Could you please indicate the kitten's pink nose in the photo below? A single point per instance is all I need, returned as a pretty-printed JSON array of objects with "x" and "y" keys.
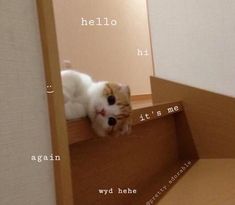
[{"x": 102, "y": 112}]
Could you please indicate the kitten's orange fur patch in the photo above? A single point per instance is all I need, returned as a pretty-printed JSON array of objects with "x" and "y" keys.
[{"x": 123, "y": 101}]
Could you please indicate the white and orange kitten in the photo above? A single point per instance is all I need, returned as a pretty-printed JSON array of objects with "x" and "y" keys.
[{"x": 106, "y": 104}]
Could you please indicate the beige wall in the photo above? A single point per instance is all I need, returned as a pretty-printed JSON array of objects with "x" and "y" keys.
[
  {"x": 194, "y": 42},
  {"x": 106, "y": 53},
  {"x": 24, "y": 124}
]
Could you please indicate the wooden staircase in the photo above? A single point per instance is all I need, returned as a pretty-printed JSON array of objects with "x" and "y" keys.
[{"x": 155, "y": 153}]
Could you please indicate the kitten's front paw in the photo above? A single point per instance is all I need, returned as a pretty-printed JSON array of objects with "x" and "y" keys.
[
  {"x": 74, "y": 111},
  {"x": 80, "y": 110}
]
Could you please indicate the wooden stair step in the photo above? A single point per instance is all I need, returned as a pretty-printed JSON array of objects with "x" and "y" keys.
[
  {"x": 209, "y": 181},
  {"x": 80, "y": 129},
  {"x": 149, "y": 153}
]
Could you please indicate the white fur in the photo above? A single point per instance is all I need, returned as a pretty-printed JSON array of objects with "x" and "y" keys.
[{"x": 75, "y": 86}]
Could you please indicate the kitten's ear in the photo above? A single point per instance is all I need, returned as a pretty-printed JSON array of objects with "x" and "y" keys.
[{"x": 125, "y": 88}]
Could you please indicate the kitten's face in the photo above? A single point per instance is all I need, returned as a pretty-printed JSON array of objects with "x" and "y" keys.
[{"x": 109, "y": 109}]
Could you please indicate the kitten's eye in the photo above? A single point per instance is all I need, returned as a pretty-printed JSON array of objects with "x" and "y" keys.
[
  {"x": 111, "y": 100},
  {"x": 112, "y": 121}
]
